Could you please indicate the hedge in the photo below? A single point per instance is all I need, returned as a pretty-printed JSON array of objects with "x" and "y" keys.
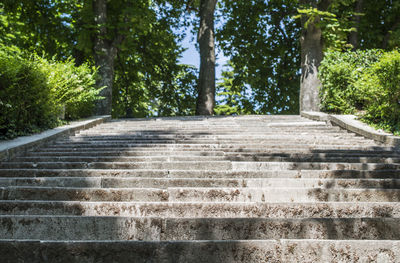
[
  {"x": 34, "y": 92},
  {"x": 366, "y": 83}
]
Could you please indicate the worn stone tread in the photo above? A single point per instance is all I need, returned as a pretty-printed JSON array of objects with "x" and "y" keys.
[
  {"x": 200, "y": 194},
  {"x": 154, "y": 182},
  {"x": 204, "y": 209},
  {"x": 163, "y": 173},
  {"x": 233, "y": 251},
  {"x": 149, "y": 228}
]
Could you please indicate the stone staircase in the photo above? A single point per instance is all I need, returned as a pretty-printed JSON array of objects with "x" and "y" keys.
[{"x": 196, "y": 189}]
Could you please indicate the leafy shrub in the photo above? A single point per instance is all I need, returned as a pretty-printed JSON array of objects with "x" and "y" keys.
[
  {"x": 26, "y": 102},
  {"x": 380, "y": 85},
  {"x": 34, "y": 91},
  {"x": 363, "y": 82},
  {"x": 73, "y": 87},
  {"x": 339, "y": 71}
]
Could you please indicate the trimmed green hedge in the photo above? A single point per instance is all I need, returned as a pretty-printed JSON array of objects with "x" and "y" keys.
[
  {"x": 366, "y": 83},
  {"x": 34, "y": 92}
]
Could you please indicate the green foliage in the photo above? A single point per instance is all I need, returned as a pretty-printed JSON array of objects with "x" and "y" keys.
[
  {"x": 380, "y": 85},
  {"x": 176, "y": 97},
  {"x": 261, "y": 39},
  {"x": 34, "y": 90},
  {"x": 26, "y": 102},
  {"x": 40, "y": 26},
  {"x": 338, "y": 73},
  {"x": 363, "y": 82},
  {"x": 335, "y": 22},
  {"x": 380, "y": 26},
  {"x": 148, "y": 78},
  {"x": 232, "y": 97},
  {"x": 73, "y": 87}
]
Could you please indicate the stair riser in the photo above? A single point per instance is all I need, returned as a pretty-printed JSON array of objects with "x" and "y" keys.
[
  {"x": 246, "y": 154},
  {"x": 232, "y": 149},
  {"x": 210, "y": 165},
  {"x": 178, "y": 138},
  {"x": 230, "y": 157},
  {"x": 216, "y": 145},
  {"x": 98, "y": 182},
  {"x": 202, "y": 210},
  {"x": 223, "y": 165},
  {"x": 320, "y": 251},
  {"x": 152, "y": 229},
  {"x": 320, "y": 174},
  {"x": 293, "y": 141},
  {"x": 215, "y": 135},
  {"x": 195, "y": 128},
  {"x": 201, "y": 194}
]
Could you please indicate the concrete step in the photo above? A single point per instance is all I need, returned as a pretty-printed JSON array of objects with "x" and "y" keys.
[
  {"x": 190, "y": 165},
  {"x": 231, "y": 157},
  {"x": 117, "y": 152},
  {"x": 160, "y": 173},
  {"x": 106, "y": 182},
  {"x": 202, "y": 194},
  {"x": 202, "y": 165},
  {"x": 210, "y": 131},
  {"x": 242, "y": 149},
  {"x": 233, "y": 137},
  {"x": 209, "y": 125},
  {"x": 232, "y": 251},
  {"x": 156, "y": 158},
  {"x": 295, "y": 155},
  {"x": 154, "y": 229},
  {"x": 204, "y": 209},
  {"x": 200, "y": 147},
  {"x": 168, "y": 183},
  {"x": 293, "y": 140},
  {"x": 216, "y": 134},
  {"x": 242, "y": 166}
]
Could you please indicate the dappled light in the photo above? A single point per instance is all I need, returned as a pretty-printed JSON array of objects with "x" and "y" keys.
[{"x": 211, "y": 183}]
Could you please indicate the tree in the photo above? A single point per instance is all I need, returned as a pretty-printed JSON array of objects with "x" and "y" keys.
[
  {"x": 353, "y": 37},
  {"x": 311, "y": 56},
  {"x": 261, "y": 39},
  {"x": 206, "y": 98},
  {"x": 43, "y": 26},
  {"x": 105, "y": 52},
  {"x": 379, "y": 26},
  {"x": 203, "y": 24}
]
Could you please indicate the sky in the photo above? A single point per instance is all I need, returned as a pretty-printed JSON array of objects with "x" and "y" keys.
[{"x": 192, "y": 57}]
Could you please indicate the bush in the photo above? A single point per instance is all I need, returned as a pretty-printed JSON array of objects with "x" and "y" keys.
[
  {"x": 73, "y": 87},
  {"x": 338, "y": 73},
  {"x": 364, "y": 82},
  {"x": 34, "y": 91},
  {"x": 26, "y": 102},
  {"x": 380, "y": 84}
]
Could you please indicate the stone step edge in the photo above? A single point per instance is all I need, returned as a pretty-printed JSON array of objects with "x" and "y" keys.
[
  {"x": 278, "y": 250},
  {"x": 21, "y": 145},
  {"x": 350, "y": 123},
  {"x": 179, "y": 188},
  {"x": 205, "y": 203}
]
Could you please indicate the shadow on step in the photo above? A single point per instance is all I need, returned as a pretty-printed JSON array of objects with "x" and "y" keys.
[
  {"x": 375, "y": 179},
  {"x": 204, "y": 229}
]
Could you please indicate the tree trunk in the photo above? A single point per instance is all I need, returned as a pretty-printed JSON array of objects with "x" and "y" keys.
[
  {"x": 353, "y": 38},
  {"x": 206, "y": 97},
  {"x": 104, "y": 54},
  {"x": 311, "y": 57}
]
